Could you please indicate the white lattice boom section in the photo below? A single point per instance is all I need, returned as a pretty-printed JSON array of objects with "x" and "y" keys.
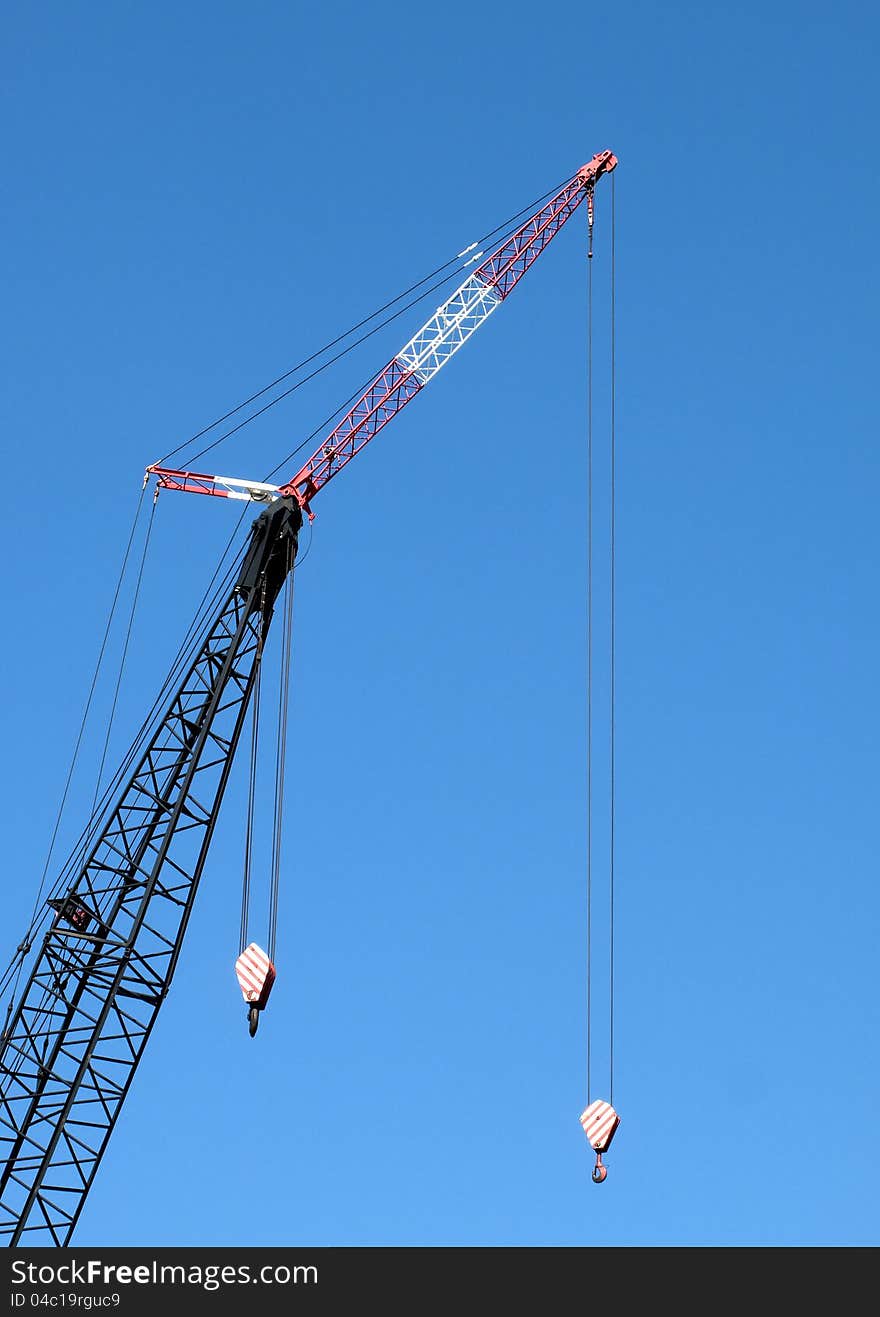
[{"x": 449, "y": 328}]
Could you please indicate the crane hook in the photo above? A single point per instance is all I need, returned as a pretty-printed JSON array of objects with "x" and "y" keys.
[
  {"x": 600, "y": 1122},
  {"x": 253, "y": 1020},
  {"x": 599, "y": 1171}
]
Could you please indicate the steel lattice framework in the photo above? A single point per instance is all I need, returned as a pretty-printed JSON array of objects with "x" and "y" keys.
[
  {"x": 75, "y": 1035},
  {"x": 107, "y": 960}
]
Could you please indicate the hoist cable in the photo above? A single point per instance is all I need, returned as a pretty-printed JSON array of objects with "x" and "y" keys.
[
  {"x": 280, "y": 759},
  {"x": 252, "y": 792},
  {"x": 612, "y": 676},
  {"x": 124, "y": 656},
  {"x": 88, "y": 704},
  {"x": 314, "y": 356},
  {"x": 589, "y": 669}
]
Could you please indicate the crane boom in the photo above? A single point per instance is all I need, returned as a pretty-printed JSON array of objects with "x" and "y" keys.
[{"x": 419, "y": 360}]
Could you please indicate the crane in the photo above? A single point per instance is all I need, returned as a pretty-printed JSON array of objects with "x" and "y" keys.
[{"x": 78, "y": 1028}]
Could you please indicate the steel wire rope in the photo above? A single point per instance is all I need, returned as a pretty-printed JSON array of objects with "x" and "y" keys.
[
  {"x": 119, "y": 676},
  {"x": 281, "y": 759},
  {"x": 613, "y": 605},
  {"x": 383, "y": 324},
  {"x": 252, "y": 792},
  {"x": 24, "y": 946},
  {"x": 273, "y": 402},
  {"x": 185, "y": 654},
  {"x": 353, "y": 397},
  {"x": 340, "y": 338},
  {"x": 124, "y": 656},
  {"x": 589, "y": 665},
  {"x": 339, "y": 409}
]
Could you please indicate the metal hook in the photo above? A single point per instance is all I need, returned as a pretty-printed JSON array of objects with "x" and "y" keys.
[{"x": 599, "y": 1171}]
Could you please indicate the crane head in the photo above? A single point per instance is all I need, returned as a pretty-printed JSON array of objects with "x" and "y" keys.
[{"x": 603, "y": 163}]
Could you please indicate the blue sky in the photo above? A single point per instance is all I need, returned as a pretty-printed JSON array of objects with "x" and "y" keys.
[{"x": 197, "y": 197}]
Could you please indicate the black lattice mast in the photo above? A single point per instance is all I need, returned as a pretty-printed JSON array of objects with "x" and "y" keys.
[{"x": 81, "y": 1024}]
